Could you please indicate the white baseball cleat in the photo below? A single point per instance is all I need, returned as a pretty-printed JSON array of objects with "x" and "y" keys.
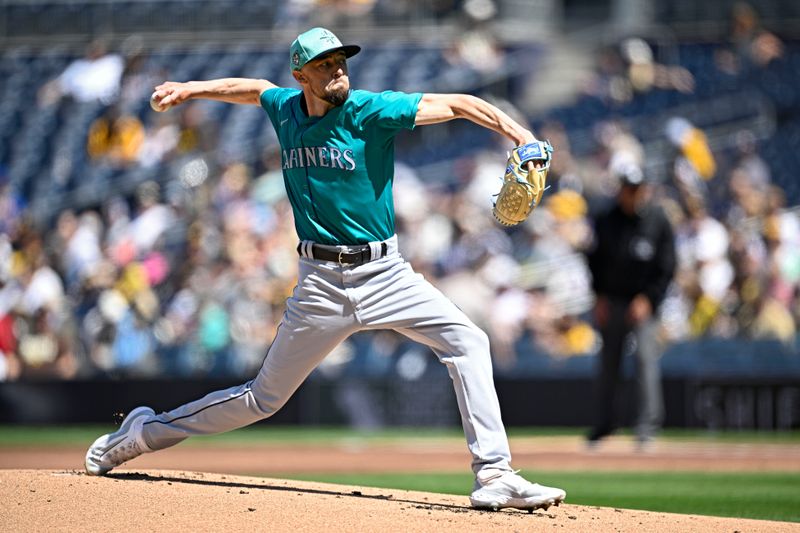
[
  {"x": 498, "y": 489},
  {"x": 113, "y": 449}
]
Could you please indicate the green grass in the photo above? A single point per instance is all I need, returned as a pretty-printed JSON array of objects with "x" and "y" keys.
[
  {"x": 768, "y": 496},
  {"x": 15, "y": 435}
]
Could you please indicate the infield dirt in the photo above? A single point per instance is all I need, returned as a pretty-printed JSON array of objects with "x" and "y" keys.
[
  {"x": 161, "y": 491},
  {"x": 164, "y": 500}
]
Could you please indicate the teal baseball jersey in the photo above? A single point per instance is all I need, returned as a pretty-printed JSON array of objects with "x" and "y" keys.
[{"x": 339, "y": 168}]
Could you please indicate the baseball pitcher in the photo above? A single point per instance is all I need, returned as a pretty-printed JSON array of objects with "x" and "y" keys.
[{"x": 338, "y": 161}]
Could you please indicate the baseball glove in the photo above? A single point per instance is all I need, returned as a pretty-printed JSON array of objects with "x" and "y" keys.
[{"x": 522, "y": 188}]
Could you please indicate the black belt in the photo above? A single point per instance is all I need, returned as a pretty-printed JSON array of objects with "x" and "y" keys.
[{"x": 361, "y": 254}]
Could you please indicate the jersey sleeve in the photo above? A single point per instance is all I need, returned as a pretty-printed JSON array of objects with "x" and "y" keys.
[
  {"x": 390, "y": 111},
  {"x": 274, "y": 100}
]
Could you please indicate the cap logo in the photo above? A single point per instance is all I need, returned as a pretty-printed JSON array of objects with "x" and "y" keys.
[
  {"x": 296, "y": 59},
  {"x": 328, "y": 36}
]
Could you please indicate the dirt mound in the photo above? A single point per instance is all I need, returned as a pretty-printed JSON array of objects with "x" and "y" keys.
[{"x": 128, "y": 500}]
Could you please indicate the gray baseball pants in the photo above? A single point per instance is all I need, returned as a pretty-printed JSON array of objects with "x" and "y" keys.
[{"x": 330, "y": 303}]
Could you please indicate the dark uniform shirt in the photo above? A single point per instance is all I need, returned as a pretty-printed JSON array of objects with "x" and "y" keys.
[{"x": 632, "y": 255}]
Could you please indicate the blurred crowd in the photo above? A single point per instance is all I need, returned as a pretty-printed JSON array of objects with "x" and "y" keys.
[{"x": 188, "y": 276}]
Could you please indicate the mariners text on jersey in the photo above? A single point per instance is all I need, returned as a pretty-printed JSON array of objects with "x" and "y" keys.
[
  {"x": 319, "y": 156},
  {"x": 338, "y": 168}
]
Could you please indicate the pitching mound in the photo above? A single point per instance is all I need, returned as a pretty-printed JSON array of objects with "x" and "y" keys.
[{"x": 68, "y": 500}]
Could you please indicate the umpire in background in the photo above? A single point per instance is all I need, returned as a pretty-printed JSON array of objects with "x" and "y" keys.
[{"x": 632, "y": 264}]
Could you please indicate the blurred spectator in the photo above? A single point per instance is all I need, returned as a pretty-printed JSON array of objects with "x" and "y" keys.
[
  {"x": 174, "y": 330},
  {"x": 46, "y": 346},
  {"x": 115, "y": 138},
  {"x": 693, "y": 164},
  {"x": 764, "y": 317},
  {"x": 476, "y": 52},
  {"x": 94, "y": 77},
  {"x": 773, "y": 321},
  {"x": 151, "y": 221},
  {"x": 45, "y": 340},
  {"x": 10, "y": 296},
  {"x": 696, "y": 160},
  {"x": 132, "y": 350},
  {"x": 569, "y": 211},
  {"x": 161, "y": 139},
  {"x": 750, "y": 162},
  {"x": 476, "y": 45},
  {"x": 704, "y": 262},
  {"x": 138, "y": 78},
  {"x": 608, "y": 82},
  {"x": 632, "y": 265},
  {"x": 117, "y": 220},
  {"x": 79, "y": 246},
  {"x": 615, "y": 149},
  {"x": 11, "y": 206},
  {"x": 628, "y": 68},
  {"x": 429, "y": 232},
  {"x": 645, "y": 74},
  {"x": 214, "y": 338},
  {"x": 101, "y": 308},
  {"x": 176, "y": 136},
  {"x": 619, "y": 148},
  {"x": 233, "y": 192},
  {"x": 506, "y": 319},
  {"x": 751, "y": 46},
  {"x": 10, "y": 367},
  {"x": 748, "y": 199},
  {"x": 467, "y": 274},
  {"x": 29, "y": 269},
  {"x": 781, "y": 230}
]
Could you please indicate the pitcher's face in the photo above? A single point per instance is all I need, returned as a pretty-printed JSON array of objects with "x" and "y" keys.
[{"x": 326, "y": 77}]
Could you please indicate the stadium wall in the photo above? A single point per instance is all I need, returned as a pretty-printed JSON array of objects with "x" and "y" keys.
[{"x": 771, "y": 404}]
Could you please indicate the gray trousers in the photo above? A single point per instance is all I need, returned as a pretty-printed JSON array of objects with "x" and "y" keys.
[
  {"x": 330, "y": 303},
  {"x": 649, "y": 396}
]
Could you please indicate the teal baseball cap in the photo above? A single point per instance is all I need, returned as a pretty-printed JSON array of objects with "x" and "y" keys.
[{"x": 314, "y": 43}]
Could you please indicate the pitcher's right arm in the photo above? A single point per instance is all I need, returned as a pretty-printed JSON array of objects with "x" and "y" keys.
[{"x": 230, "y": 90}]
